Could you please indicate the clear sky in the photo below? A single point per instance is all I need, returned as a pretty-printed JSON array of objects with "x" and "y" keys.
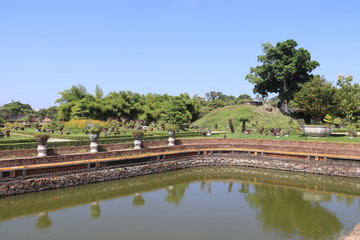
[{"x": 163, "y": 46}]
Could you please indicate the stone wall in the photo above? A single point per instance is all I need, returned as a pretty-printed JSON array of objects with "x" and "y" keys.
[{"x": 52, "y": 182}]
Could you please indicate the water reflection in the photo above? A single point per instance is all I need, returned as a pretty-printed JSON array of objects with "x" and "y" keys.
[
  {"x": 95, "y": 210},
  {"x": 138, "y": 200},
  {"x": 176, "y": 193},
  {"x": 289, "y": 203},
  {"x": 287, "y": 210},
  {"x": 44, "y": 221}
]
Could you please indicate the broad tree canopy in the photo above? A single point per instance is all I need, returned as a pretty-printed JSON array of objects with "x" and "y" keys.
[
  {"x": 284, "y": 68},
  {"x": 318, "y": 98}
]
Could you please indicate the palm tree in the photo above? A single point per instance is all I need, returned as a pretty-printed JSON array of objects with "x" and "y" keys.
[{"x": 74, "y": 93}]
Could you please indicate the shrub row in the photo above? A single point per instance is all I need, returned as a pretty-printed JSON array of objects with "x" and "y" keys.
[{"x": 8, "y": 141}]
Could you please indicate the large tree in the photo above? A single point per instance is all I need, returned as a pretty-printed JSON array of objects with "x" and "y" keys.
[
  {"x": 318, "y": 98},
  {"x": 73, "y": 94},
  {"x": 284, "y": 68}
]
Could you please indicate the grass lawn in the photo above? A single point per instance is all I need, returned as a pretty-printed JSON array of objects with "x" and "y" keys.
[
  {"x": 298, "y": 136},
  {"x": 14, "y": 136}
]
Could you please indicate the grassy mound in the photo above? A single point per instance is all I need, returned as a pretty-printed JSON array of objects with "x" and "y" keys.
[{"x": 258, "y": 116}]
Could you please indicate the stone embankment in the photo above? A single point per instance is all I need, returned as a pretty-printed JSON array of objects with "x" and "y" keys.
[
  {"x": 343, "y": 169},
  {"x": 354, "y": 234}
]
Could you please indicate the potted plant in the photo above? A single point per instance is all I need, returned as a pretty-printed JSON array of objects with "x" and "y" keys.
[
  {"x": 7, "y": 132},
  {"x": 8, "y": 127},
  {"x": 247, "y": 132},
  {"x": 42, "y": 139},
  {"x": 138, "y": 136},
  {"x": 94, "y": 133},
  {"x": 351, "y": 130},
  {"x": 171, "y": 133}
]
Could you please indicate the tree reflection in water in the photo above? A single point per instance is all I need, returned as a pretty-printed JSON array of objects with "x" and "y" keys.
[
  {"x": 95, "y": 210},
  {"x": 287, "y": 211},
  {"x": 176, "y": 193},
  {"x": 44, "y": 221},
  {"x": 138, "y": 200}
]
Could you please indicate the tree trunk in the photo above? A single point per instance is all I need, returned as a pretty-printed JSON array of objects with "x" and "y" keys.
[
  {"x": 243, "y": 127},
  {"x": 231, "y": 126},
  {"x": 284, "y": 107}
]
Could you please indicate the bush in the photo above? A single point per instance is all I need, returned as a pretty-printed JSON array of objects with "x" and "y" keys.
[
  {"x": 42, "y": 138},
  {"x": 137, "y": 134}
]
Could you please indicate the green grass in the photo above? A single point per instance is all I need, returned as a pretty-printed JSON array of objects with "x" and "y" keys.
[
  {"x": 15, "y": 137},
  {"x": 259, "y": 116},
  {"x": 294, "y": 136}
]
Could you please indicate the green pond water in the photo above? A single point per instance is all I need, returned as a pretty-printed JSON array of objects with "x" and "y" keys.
[{"x": 219, "y": 203}]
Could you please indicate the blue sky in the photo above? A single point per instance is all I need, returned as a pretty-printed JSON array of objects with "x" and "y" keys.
[{"x": 163, "y": 46}]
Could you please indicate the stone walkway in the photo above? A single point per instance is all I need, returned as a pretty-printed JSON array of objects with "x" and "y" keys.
[{"x": 354, "y": 234}]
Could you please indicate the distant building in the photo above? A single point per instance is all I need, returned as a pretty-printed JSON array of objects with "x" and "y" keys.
[{"x": 46, "y": 120}]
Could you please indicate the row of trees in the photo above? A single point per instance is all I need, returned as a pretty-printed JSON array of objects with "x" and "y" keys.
[
  {"x": 78, "y": 103},
  {"x": 286, "y": 70}
]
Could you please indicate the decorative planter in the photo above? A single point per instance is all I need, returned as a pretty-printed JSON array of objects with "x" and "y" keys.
[
  {"x": 94, "y": 138},
  {"x": 317, "y": 130},
  {"x": 208, "y": 133},
  {"x": 42, "y": 150},
  {"x": 94, "y": 147},
  {"x": 171, "y": 141},
  {"x": 171, "y": 133},
  {"x": 247, "y": 132},
  {"x": 352, "y": 134},
  {"x": 137, "y": 144}
]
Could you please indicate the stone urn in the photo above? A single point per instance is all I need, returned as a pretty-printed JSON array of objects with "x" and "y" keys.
[
  {"x": 171, "y": 139},
  {"x": 317, "y": 130},
  {"x": 42, "y": 150},
  {"x": 42, "y": 139},
  {"x": 94, "y": 142},
  {"x": 137, "y": 144},
  {"x": 138, "y": 136}
]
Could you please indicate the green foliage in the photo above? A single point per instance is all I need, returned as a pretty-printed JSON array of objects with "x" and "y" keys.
[
  {"x": 350, "y": 128},
  {"x": 284, "y": 68},
  {"x": 138, "y": 134},
  {"x": 15, "y": 108},
  {"x": 50, "y": 112},
  {"x": 73, "y": 94},
  {"x": 171, "y": 127},
  {"x": 42, "y": 138},
  {"x": 349, "y": 99},
  {"x": 318, "y": 97},
  {"x": 176, "y": 113}
]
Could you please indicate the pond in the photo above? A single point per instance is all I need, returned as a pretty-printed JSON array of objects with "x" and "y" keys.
[{"x": 199, "y": 203}]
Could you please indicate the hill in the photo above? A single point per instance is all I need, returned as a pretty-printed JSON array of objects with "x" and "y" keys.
[{"x": 259, "y": 116}]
